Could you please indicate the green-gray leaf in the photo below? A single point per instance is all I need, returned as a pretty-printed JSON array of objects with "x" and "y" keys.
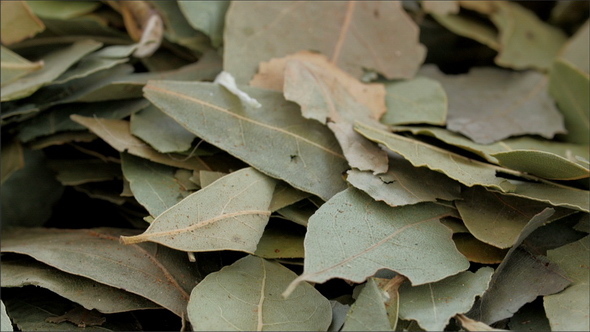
[
  {"x": 55, "y": 64},
  {"x": 152, "y": 184},
  {"x": 520, "y": 278},
  {"x": 569, "y": 86},
  {"x": 86, "y": 292},
  {"x": 97, "y": 254},
  {"x": 62, "y": 10},
  {"x": 352, "y": 236},
  {"x": 5, "y": 324},
  {"x": 274, "y": 139},
  {"x": 246, "y": 296},
  {"x": 476, "y": 111},
  {"x": 420, "y": 100},
  {"x": 568, "y": 310},
  {"x": 368, "y": 313},
  {"x": 563, "y": 149},
  {"x": 160, "y": 131},
  {"x": 543, "y": 164},
  {"x": 57, "y": 119},
  {"x": 399, "y": 186},
  {"x": 526, "y": 41},
  {"x": 555, "y": 195},
  {"x": 207, "y": 17},
  {"x": 467, "y": 171},
  {"x": 229, "y": 214},
  {"x": 14, "y": 66},
  {"x": 432, "y": 305},
  {"x": 340, "y": 30},
  {"x": 498, "y": 219}
]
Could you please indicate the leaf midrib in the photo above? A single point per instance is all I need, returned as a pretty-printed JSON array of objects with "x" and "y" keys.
[{"x": 242, "y": 118}]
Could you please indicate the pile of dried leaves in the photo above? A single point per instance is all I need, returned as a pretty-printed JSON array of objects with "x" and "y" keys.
[{"x": 374, "y": 165}]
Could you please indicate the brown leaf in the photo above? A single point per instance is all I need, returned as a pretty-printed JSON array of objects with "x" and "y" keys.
[
  {"x": 271, "y": 75},
  {"x": 329, "y": 95}
]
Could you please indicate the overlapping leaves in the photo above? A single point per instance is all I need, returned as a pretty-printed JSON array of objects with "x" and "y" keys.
[{"x": 329, "y": 157}]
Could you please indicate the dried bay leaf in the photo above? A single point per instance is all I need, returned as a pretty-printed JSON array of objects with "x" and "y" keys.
[
  {"x": 63, "y": 10},
  {"x": 325, "y": 93},
  {"x": 30, "y": 309},
  {"x": 119, "y": 82},
  {"x": 207, "y": 17},
  {"x": 419, "y": 100},
  {"x": 568, "y": 310},
  {"x": 339, "y": 312},
  {"x": 13, "y": 66},
  {"x": 432, "y": 305},
  {"x": 153, "y": 185},
  {"x": 285, "y": 195},
  {"x": 576, "y": 50},
  {"x": 97, "y": 254},
  {"x": 105, "y": 58},
  {"x": 55, "y": 64},
  {"x": 160, "y": 131},
  {"x": 553, "y": 194},
  {"x": 12, "y": 158},
  {"x": 271, "y": 75},
  {"x": 178, "y": 29},
  {"x": 352, "y": 236},
  {"x": 526, "y": 41},
  {"x": 57, "y": 119},
  {"x": 368, "y": 312},
  {"x": 18, "y": 22},
  {"x": 543, "y": 164},
  {"x": 523, "y": 41},
  {"x": 470, "y": 28},
  {"x": 118, "y": 135},
  {"x": 342, "y": 31},
  {"x": 467, "y": 171},
  {"x": 569, "y": 86},
  {"x": 86, "y": 292},
  {"x": 229, "y": 214},
  {"x": 477, "y": 111},
  {"x": 5, "y": 324},
  {"x": 131, "y": 86},
  {"x": 280, "y": 144},
  {"x": 359, "y": 151},
  {"x": 477, "y": 251},
  {"x": 486, "y": 151},
  {"x": 250, "y": 289},
  {"x": 520, "y": 278},
  {"x": 498, "y": 219},
  {"x": 399, "y": 186}
]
